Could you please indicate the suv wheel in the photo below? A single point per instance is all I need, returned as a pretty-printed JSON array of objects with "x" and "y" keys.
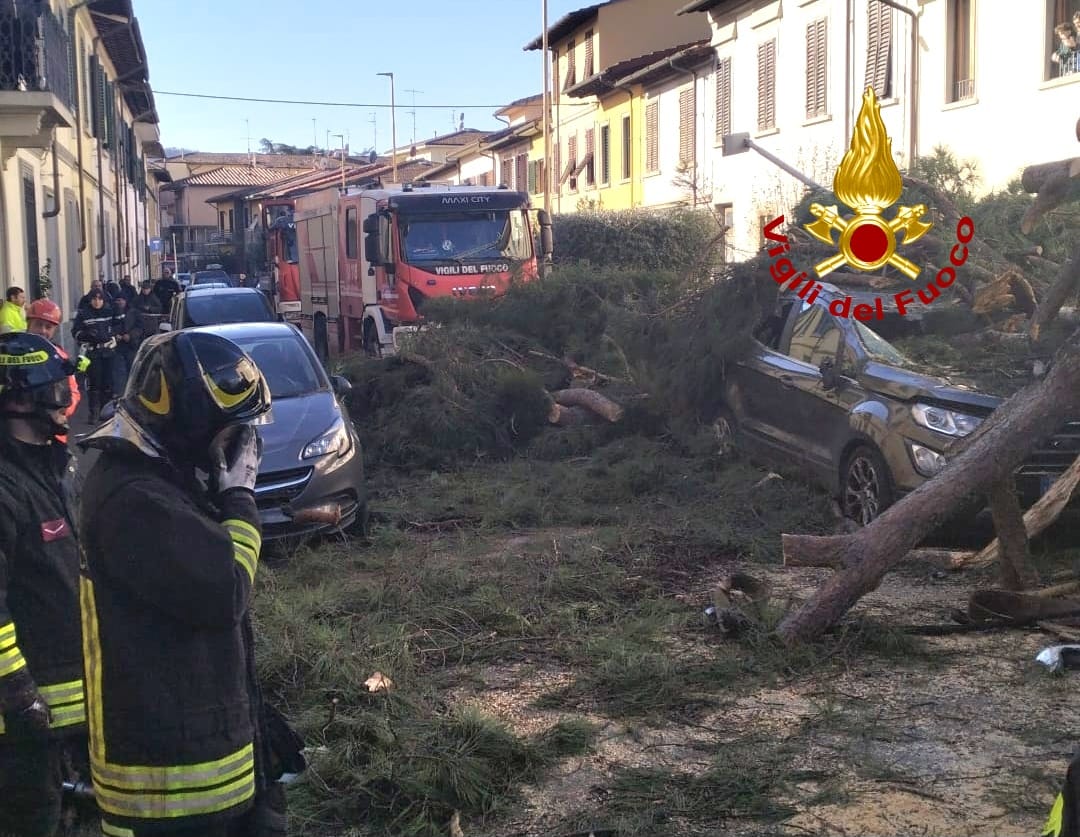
[{"x": 866, "y": 489}]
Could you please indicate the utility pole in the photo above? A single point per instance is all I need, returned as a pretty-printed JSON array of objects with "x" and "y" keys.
[
  {"x": 314, "y": 134},
  {"x": 413, "y": 112},
  {"x": 342, "y": 137},
  {"x": 393, "y": 125},
  {"x": 374, "y": 131},
  {"x": 547, "y": 111}
]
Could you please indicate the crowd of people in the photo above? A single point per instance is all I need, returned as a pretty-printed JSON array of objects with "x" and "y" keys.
[
  {"x": 127, "y": 651},
  {"x": 1066, "y": 54}
]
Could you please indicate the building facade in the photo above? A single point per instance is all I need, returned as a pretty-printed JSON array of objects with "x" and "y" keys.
[{"x": 77, "y": 128}]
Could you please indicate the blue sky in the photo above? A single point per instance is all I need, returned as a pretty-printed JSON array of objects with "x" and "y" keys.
[{"x": 463, "y": 52}]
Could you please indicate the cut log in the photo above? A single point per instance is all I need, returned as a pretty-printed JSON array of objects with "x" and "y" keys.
[
  {"x": 1052, "y": 195},
  {"x": 1032, "y": 414},
  {"x": 574, "y": 416},
  {"x": 1064, "y": 287},
  {"x": 1034, "y": 178},
  {"x": 590, "y": 400},
  {"x": 1016, "y": 570}
]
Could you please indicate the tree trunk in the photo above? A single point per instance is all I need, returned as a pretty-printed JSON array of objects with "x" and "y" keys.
[
  {"x": 1061, "y": 290},
  {"x": 1034, "y": 178},
  {"x": 1016, "y": 570},
  {"x": 1032, "y": 414},
  {"x": 590, "y": 400}
]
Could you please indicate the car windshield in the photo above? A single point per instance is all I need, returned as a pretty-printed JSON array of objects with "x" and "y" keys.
[
  {"x": 210, "y": 308},
  {"x": 466, "y": 235},
  {"x": 211, "y": 276},
  {"x": 288, "y": 368},
  {"x": 878, "y": 347}
]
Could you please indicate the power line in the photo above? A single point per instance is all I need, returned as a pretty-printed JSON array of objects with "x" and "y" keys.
[{"x": 336, "y": 104}]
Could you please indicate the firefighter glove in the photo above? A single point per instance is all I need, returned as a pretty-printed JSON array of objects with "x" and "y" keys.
[
  {"x": 82, "y": 364},
  {"x": 235, "y": 454},
  {"x": 32, "y": 721}
]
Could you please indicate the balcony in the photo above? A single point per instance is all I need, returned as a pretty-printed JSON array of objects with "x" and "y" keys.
[{"x": 36, "y": 91}]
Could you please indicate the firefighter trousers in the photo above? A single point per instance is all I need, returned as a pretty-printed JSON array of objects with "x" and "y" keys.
[
  {"x": 266, "y": 819},
  {"x": 32, "y": 773}
]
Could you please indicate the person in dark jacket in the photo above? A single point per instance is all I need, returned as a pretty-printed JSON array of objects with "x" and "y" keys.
[
  {"x": 41, "y": 675},
  {"x": 126, "y": 330},
  {"x": 94, "y": 329},
  {"x": 166, "y": 288},
  {"x": 174, "y": 705}
]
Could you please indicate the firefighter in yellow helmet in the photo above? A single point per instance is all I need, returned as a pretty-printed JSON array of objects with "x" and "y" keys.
[{"x": 177, "y": 742}]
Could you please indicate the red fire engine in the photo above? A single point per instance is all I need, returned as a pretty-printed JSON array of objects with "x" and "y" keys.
[{"x": 369, "y": 257}]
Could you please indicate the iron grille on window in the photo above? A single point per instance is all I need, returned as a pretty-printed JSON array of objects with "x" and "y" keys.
[{"x": 35, "y": 52}]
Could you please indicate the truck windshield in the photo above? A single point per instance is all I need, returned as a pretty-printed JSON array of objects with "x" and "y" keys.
[{"x": 466, "y": 235}]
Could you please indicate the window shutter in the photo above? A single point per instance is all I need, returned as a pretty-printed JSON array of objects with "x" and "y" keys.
[
  {"x": 590, "y": 156},
  {"x": 555, "y": 73},
  {"x": 571, "y": 72},
  {"x": 522, "y": 173},
  {"x": 879, "y": 33},
  {"x": 687, "y": 125},
  {"x": 532, "y": 177},
  {"x": 816, "y": 69},
  {"x": 652, "y": 139},
  {"x": 571, "y": 155},
  {"x": 605, "y": 154},
  {"x": 766, "y": 55},
  {"x": 723, "y": 98},
  {"x": 506, "y": 175},
  {"x": 590, "y": 66}
]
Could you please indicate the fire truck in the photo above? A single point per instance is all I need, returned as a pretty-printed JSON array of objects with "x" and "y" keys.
[
  {"x": 282, "y": 255},
  {"x": 370, "y": 257}
]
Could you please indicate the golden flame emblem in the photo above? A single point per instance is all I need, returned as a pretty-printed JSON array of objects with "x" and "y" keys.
[{"x": 868, "y": 182}]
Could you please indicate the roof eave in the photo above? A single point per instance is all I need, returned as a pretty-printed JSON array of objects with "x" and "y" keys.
[
  {"x": 564, "y": 26},
  {"x": 661, "y": 69},
  {"x": 698, "y": 6}
]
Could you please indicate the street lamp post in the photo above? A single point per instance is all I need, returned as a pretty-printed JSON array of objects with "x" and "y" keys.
[
  {"x": 547, "y": 111},
  {"x": 393, "y": 126},
  {"x": 342, "y": 138}
]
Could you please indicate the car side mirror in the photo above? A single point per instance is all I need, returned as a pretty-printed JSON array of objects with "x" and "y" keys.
[
  {"x": 165, "y": 327},
  {"x": 341, "y": 385},
  {"x": 829, "y": 377},
  {"x": 108, "y": 410}
]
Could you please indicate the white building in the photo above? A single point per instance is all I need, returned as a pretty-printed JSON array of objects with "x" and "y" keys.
[{"x": 792, "y": 75}]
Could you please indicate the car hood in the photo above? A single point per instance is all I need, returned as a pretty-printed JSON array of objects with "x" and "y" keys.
[
  {"x": 906, "y": 385},
  {"x": 296, "y": 423}
]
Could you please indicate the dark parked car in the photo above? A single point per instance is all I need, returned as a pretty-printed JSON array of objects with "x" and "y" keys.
[
  {"x": 312, "y": 474},
  {"x": 830, "y": 395},
  {"x": 206, "y": 305}
]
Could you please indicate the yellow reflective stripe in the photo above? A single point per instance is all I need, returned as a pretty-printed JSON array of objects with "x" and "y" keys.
[
  {"x": 246, "y": 560},
  {"x": 92, "y": 667},
  {"x": 179, "y": 776},
  {"x": 66, "y": 716},
  {"x": 160, "y": 806},
  {"x": 60, "y": 693},
  {"x": 11, "y": 661},
  {"x": 1054, "y": 821},
  {"x": 243, "y": 528},
  {"x": 115, "y": 831},
  {"x": 7, "y": 632}
]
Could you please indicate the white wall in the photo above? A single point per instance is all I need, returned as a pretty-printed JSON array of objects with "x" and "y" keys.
[{"x": 670, "y": 185}]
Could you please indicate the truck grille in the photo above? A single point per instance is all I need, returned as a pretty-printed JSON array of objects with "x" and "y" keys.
[
  {"x": 281, "y": 486},
  {"x": 1054, "y": 455}
]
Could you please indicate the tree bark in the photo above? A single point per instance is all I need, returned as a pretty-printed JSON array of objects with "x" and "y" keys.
[
  {"x": 1034, "y": 413},
  {"x": 590, "y": 400},
  {"x": 1034, "y": 178},
  {"x": 1061, "y": 290},
  {"x": 1016, "y": 570}
]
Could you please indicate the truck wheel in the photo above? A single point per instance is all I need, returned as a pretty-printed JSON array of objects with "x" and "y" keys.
[
  {"x": 372, "y": 346},
  {"x": 321, "y": 338},
  {"x": 866, "y": 489}
]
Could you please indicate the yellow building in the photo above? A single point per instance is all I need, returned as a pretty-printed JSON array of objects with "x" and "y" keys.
[
  {"x": 77, "y": 124},
  {"x": 597, "y": 133}
]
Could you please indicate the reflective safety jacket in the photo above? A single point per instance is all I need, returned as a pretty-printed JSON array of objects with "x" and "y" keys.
[
  {"x": 168, "y": 649},
  {"x": 12, "y": 317},
  {"x": 40, "y": 641}
]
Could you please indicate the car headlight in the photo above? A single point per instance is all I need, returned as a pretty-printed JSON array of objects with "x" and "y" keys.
[
  {"x": 335, "y": 440},
  {"x": 949, "y": 422},
  {"x": 928, "y": 462}
]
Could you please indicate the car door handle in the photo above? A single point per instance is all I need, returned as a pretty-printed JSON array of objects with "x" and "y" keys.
[{"x": 787, "y": 381}]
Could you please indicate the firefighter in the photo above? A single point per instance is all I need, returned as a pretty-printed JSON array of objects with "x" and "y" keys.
[
  {"x": 12, "y": 315},
  {"x": 41, "y": 686},
  {"x": 94, "y": 329},
  {"x": 43, "y": 317},
  {"x": 176, "y": 715}
]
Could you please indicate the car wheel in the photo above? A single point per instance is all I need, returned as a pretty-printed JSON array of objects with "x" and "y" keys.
[
  {"x": 866, "y": 489},
  {"x": 725, "y": 432},
  {"x": 361, "y": 526}
]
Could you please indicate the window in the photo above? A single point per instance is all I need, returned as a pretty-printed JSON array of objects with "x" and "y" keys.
[
  {"x": 605, "y": 154},
  {"x": 961, "y": 41},
  {"x": 590, "y": 61},
  {"x": 766, "y": 85},
  {"x": 763, "y": 222},
  {"x": 627, "y": 149},
  {"x": 571, "y": 71},
  {"x": 723, "y": 99},
  {"x": 879, "y": 50},
  {"x": 555, "y": 72},
  {"x": 687, "y": 126},
  {"x": 221, "y": 221},
  {"x": 521, "y": 171},
  {"x": 506, "y": 172},
  {"x": 1057, "y": 12},
  {"x": 232, "y": 220},
  {"x": 652, "y": 137},
  {"x": 816, "y": 69},
  {"x": 350, "y": 233},
  {"x": 571, "y": 161},
  {"x": 815, "y": 336},
  {"x": 771, "y": 329},
  {"x": 287, "y": 365},
  {"x": 536, "y": 177},
  {"x": 590, "y": 157},
  {"x": 725, "y": 214}
]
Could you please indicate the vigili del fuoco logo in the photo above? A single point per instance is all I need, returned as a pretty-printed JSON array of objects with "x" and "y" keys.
[{"x": 869, "y": 183}]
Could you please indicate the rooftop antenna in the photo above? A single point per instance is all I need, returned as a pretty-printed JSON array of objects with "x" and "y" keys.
[
  {"x": 374, "y": 131},
  {"x": 247, "y": 131},
  {"x": 314, "y": 135},
  {"x": 413, "y": 111}
]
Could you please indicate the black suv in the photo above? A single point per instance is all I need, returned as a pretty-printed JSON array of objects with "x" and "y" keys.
[
  {"x": 203, "y": 305},
  {"x": 830, "y": 395}
]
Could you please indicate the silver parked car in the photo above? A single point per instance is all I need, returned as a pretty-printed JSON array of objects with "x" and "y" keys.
[{"x": 312, "y": 475}]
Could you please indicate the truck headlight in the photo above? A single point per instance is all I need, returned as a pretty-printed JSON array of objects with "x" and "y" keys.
[
  {"x": 335, "y": 440},
  {"x": 942, "y": 420},
  {"x": 928, "y": 462}
]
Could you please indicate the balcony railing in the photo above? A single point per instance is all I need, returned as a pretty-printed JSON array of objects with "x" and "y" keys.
[
  {"x": 963, "y": 89},
  {"x": 35, "y": 53}
]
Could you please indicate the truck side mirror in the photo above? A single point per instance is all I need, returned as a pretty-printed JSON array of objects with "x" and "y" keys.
[
  {"x": 385, "y": 248},
  {"x": 547, "y": 245}
]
